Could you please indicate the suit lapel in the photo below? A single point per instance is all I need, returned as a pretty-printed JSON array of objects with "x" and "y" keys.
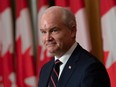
[{"x": 69, "y": 67}]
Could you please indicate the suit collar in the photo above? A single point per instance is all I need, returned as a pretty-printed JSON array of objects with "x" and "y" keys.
[
  {"x": 67, "y": 55},
  {"x": 69, "y": 67}
]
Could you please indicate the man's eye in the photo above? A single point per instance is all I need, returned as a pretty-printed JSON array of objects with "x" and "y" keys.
[
  {"x": 43, "y": 32},
  {"x": 54, "y": 30}
]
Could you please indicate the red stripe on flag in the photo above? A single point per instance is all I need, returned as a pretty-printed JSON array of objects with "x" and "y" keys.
[
  {"x": 20, "y": 4},
  {"x": 29, "y": 66},
  {"x": 106, "y": 53},
  {"x": 4, "y": 4},
  {"x": 76, "y": 5},
  {"x": 6, "y": 45},
  {"x": 107, "y": 13},
  {"x": 42, "y": 3},
  {"x": 1, "y": 71},
  {"x": 24, "y": 46},
  {"x": 19, "y": 66},
  {"x": 112, "y": 74},
  {"x": 7, "y": 68},
  {"x": 63, "y": 3},
  {"x": 106, "y": 5}
]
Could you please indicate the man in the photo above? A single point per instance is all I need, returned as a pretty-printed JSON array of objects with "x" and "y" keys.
[{"x": 79, "y": 68}]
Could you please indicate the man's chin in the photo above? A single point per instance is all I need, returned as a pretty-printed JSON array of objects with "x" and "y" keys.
[{"x": 52, "y": 52}]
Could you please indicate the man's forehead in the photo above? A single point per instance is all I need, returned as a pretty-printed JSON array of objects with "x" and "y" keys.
[
  {"x": 47, "y": 24},
  {"x": 50, "y": 22},
  {"x": 54, "y": 10},
  {"x": 52, "y": 14}
]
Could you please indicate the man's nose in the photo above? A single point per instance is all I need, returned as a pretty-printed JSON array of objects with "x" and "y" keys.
[{"x": 48, "y": 37}]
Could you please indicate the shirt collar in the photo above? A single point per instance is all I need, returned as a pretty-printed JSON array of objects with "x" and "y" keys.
[{"x": 67, "y": 55}]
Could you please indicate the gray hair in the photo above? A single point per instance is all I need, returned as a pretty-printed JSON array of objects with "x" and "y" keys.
[{"x": 69, "y": 18}]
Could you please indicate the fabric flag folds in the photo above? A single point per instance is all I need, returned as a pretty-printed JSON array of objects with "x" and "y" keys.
[
  {"x": 108, "y": 24},
  {"x": 63, "y": 3},
  {"x": 83, "y": 35},
  {"x": 24, "y": 47},
  {"x": 7, "y": 75}
]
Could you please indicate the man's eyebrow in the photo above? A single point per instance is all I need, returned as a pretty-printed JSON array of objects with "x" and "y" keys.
[
  {"x": 54, "y": 27},
  {"x": 49, "y": 28}
]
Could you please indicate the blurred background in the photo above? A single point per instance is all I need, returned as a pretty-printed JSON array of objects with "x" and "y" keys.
[{"x": 22, "y": 53}]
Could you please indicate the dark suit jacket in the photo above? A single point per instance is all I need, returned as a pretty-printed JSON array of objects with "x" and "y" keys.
[{"x": 85, "y": 71}]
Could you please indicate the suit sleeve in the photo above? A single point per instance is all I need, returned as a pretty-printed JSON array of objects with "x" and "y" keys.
[{"x": 95, "y": 76}]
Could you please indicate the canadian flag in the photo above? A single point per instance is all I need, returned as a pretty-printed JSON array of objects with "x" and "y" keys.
[
  {"x": 78, "y": 8},
  {"x": 108, "y": 24},
  {"x": 7, "y": 75},
  {"x": 83, "y": 35},
  {"x": 24, "y": 47},
  {"x": 63, "y": 3},
  {"x": 43, "y": 55}
]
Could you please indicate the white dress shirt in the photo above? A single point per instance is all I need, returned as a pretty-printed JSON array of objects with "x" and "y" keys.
[{"x": 65, "y": 58}]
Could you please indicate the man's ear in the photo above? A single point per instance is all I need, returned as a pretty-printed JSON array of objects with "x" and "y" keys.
[{"x": 73, "y": 31}]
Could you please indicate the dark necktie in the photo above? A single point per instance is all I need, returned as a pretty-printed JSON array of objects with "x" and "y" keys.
[{"x": 54, "y": 75}]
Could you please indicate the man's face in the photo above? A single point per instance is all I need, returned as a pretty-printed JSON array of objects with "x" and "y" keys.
[{"x": 55, "y": 35}]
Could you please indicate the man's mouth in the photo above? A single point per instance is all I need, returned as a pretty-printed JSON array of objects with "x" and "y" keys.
[{"x": 50, "y": 44}]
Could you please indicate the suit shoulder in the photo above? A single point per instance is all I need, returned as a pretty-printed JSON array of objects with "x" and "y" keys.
[
  {"x": 88, "y": 56},
  {"x": 47, "y": 64},
  {"x": 87, "y": 59}
]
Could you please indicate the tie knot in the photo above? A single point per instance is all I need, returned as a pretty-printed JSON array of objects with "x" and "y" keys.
[{"x": 58, "y": 62}]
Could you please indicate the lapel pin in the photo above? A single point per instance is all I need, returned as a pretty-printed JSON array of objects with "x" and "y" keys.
[{"x": 69, "y": 67}]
